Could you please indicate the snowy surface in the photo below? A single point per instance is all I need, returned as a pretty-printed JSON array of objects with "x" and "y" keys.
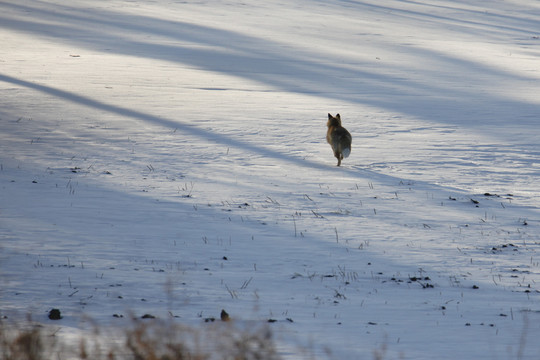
[{"x": 169, "y": 158}]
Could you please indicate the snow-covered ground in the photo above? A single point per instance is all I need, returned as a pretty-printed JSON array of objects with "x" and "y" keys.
[{"x": 169, "y": 158}]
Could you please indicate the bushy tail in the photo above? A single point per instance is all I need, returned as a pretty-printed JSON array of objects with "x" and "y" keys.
[{"x": 346, "y": 152}]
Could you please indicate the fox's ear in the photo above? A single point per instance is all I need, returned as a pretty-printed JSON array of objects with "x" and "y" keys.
[{"x": 339, "y": 117}]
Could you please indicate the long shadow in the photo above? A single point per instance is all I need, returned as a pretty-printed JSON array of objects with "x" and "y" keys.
[
  {"x": 256, "y": 59},
  {"x": 353, "y": 170},
  {"x": 265, "y": 61},
  {"x": 520, "y": 25},
  {"x": 173, "y": 124}
]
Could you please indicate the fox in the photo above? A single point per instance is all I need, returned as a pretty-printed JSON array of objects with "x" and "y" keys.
[{"x": 339, "y": 138}]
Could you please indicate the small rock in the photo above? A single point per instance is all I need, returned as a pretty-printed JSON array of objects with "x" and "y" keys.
[{"x": 54, "y": 314}]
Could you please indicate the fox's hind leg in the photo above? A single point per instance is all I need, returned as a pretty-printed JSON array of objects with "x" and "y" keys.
[{"x": 339, "y": 157}]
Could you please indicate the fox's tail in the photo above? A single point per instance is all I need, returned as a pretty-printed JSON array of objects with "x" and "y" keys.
[{"x": 346, "y": 152}]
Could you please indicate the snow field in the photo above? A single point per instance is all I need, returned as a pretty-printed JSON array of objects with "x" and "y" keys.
[{"x": 169, "y": 158}]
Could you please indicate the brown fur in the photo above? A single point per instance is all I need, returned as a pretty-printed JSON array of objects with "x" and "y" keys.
[{"x": 338, "y": 137}]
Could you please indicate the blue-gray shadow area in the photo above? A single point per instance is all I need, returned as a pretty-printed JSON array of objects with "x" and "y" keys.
[
  {"x": 437, "y": 97},
  {"x": 356, "y": 171},
  {"x": 173, "y": 124}
]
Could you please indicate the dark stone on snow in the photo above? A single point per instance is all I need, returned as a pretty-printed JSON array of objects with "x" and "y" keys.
[{"x": 54, "y": 314}]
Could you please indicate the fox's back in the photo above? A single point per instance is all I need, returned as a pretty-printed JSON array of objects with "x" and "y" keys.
[{"x": 338, "y": 137}]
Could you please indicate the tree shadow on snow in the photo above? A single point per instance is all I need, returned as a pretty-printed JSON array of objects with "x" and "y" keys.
[
  {"x": 266, "y": 61},
  {"x": 275, "y": 64}
]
